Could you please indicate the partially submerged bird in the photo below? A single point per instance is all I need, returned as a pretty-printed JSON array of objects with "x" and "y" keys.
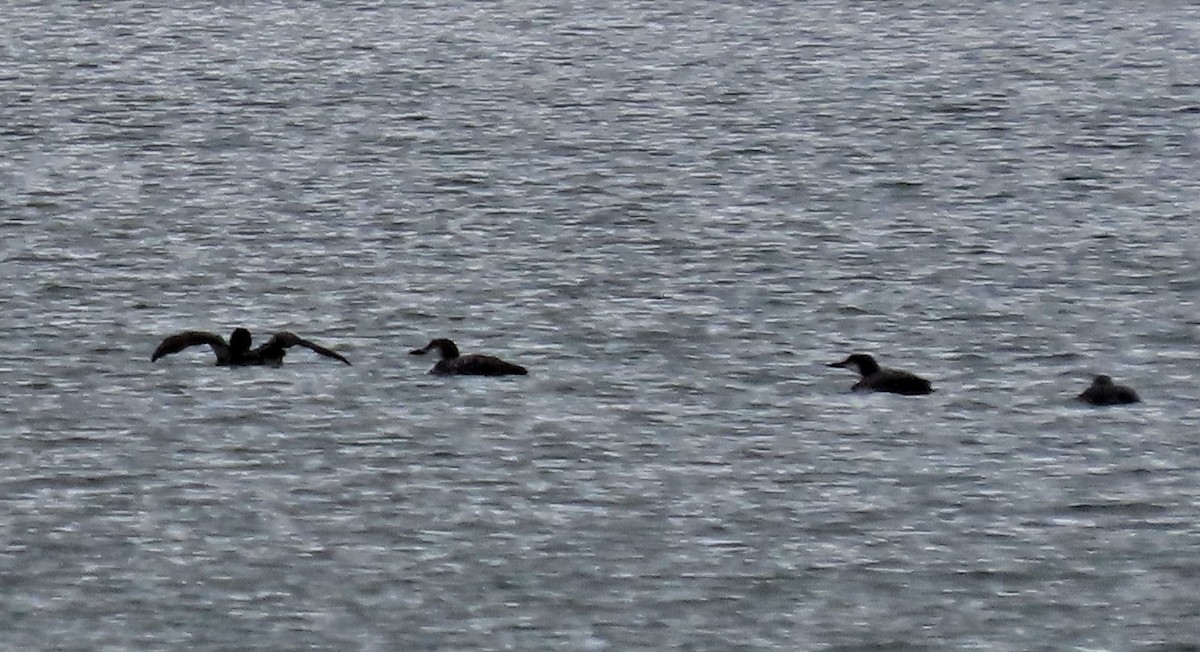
[
  {"x": 472, "y": 364},
  {"x": 1104, "y": 391},
  {"x": 237, "y": 352},
  {"x": 882, "y": 379}
]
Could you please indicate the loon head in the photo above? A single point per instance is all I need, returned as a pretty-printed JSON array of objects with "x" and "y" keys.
[
  {"x": 239, "y": 341},
  {"x": 1102, "y": 381},
  {"x": 445, "y": 348},
  {"x": 863, "y": 363}
]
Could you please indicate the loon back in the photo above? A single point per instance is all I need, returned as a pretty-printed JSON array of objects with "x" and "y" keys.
[{"x": 477, "y": 364}]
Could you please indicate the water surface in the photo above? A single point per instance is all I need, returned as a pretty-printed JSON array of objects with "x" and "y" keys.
[{"x": 675, "y": 218}]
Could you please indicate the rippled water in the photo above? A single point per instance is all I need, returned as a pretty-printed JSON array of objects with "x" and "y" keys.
[{"x": 675, "y": 219}]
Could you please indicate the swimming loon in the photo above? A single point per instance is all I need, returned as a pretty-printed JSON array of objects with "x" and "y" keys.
[
  {"x": 237, "y": 351},
  {"x": 472, "y": 364},
  {"x": 882, "y": 379},
  {"x": 1105, "y": 392}
]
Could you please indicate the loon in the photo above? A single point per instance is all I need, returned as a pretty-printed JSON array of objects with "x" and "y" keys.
[
  {"x": 472, "y": 364},
  {"x": 237, "y": 351},
  {"x": 882, "y": 379},
  {"x": 1105, "y": 392}
]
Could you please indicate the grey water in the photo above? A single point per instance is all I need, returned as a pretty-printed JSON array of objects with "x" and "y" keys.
[{"x": 675, "y": 214}]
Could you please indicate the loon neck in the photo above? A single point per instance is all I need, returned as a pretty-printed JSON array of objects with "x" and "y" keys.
[{"x": 239, "y": 341}]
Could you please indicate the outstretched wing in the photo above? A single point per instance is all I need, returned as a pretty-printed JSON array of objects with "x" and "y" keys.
[
  {"x": 180, "y": 341},
  {"x": 287, "y": 340}
]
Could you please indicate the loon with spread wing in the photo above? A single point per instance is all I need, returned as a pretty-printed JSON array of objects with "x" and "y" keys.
[{"x": 237, "y": 352}]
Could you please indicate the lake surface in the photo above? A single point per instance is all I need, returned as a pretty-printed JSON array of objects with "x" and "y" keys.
[{"x": 675, "y": 217}]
